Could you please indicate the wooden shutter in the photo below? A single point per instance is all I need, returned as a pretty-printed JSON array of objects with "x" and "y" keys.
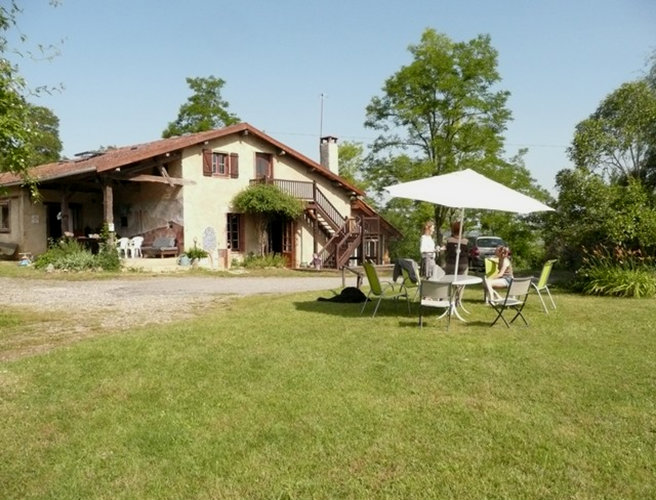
[
  {"x": 207, "y": 163},
  {"x": 234, "y": 165}
]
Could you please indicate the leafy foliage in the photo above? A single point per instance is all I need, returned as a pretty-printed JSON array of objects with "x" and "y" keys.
[
  {"x": 351, "y": 163},
  {"x": 23, "y": 131},
  {"x": 204, "y": 110},
  {"x": 591, "y": 212},
  {"x": 14, "y": 136},
  {"x": 266, "y": 202},
  {"x": 619, "y": 138},
  {"x": 617, "y": 272},
  {"x": 69, "y": 255},
  {"x": 264, "y": 261},
  {"x": 196, "y": 253},
  {"x": 46, "y": 145},
  {"x": 441, "y": 110}
]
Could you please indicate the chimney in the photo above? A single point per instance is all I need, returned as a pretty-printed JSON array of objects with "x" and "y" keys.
[{"x": 328, "y": 155}]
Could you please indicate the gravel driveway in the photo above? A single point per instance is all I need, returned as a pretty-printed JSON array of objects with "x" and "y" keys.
[{"x": 118, "y": 304}]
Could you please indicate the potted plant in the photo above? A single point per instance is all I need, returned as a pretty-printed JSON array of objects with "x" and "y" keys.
[{"x": 195, "y": 254}]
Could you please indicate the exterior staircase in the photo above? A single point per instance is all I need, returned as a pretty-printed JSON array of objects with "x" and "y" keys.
[{"x": 344, "y": 233}]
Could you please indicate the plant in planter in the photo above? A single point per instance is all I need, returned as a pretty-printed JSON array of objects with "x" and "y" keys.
[{"x": 196, "y": 253}]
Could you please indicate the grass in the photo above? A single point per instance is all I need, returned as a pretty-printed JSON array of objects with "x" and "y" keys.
[
  {"x": 287, "y": 397},
  {"x": 10, "y": 269}
]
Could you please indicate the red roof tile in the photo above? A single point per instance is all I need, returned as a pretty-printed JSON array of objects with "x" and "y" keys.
[{"x": 124, "y": 156}]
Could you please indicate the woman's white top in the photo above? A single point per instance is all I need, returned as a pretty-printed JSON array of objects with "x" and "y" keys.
[{"x": 426, "y": 244}]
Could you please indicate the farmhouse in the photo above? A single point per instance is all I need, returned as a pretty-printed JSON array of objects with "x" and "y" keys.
[{"x": 182, "y": 188}]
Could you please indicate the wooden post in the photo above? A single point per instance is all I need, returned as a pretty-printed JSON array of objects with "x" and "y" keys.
[
  {"x": 65, "y": 213},
  {"x": 108, "y": 210}
]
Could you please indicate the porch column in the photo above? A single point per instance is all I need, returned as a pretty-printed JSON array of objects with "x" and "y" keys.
[
  {"x": 108, "y": 209},
  {"x": 65, "y": 214}
]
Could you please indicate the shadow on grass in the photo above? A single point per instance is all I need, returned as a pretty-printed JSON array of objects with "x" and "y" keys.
[{"x": 392, "y": 308}]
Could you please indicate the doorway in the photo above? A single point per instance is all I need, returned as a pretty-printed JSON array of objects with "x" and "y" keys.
[{"x": 280, "y": 239}]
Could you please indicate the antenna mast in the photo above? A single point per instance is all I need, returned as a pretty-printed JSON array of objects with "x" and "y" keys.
[{"x": 321, "y": 117}]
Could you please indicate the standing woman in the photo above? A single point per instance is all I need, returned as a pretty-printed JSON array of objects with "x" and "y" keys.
[
  {"x": 428, "y": 251},
  {"x": 500, "y": 279}
]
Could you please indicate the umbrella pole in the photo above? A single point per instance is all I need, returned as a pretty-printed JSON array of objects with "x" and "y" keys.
[{"x": 462, "y": 221}]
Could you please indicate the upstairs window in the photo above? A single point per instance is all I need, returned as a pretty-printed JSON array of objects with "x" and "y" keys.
[
  {"x": 4, "y": 216},
  {"x": 263, "y": 166},
  {"x": 219, "y": 164}
]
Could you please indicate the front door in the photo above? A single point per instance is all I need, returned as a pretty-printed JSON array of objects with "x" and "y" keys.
[
  {"x": 54, "y": 219},
  {"x": 281, "y": 239}
]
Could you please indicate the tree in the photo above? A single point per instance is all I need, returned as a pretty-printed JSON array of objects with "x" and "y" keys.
[
  {"x": 19, "y": 138},
  {"x": 442, "y": 109},
  {"x": 266, "y": 202},
  {"x": 351, "y": 161},
  {"x": 619, "y": 138},
  {"x": 39, "y": 133},
  {"x": 204, "y": 110},
  {"x": 590, "y": 212},
  {"x": 45, "y": 146},
  {"x": 14, "y": 135}
]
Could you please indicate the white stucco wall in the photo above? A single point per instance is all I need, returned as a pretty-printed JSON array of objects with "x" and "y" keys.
[{"x": 207, "y": 201}]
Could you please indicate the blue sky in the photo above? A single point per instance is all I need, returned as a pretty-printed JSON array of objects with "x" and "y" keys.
[{"x": 123, "y": 63}]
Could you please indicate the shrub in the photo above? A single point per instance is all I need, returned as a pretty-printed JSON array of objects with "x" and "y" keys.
[
  {"x": 196, "y": 253},
  {"x": 259, "y": 262},
  {"x": 617, "y": 272},
  {"x": 108, "y": 258},
  {"x": 67, "y": 254}
]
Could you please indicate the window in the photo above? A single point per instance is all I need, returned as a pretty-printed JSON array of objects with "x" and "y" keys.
[
  {"x": 217, "y": 164},
  {"x": 234, "y": 235},
  {"x": 263, "y": 166},
  {"x": 4, "y": 216},
  {"x": 220, "y": 163}
]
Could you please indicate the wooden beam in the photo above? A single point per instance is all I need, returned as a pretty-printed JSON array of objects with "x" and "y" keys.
[
  {"x": 157, "y": 178},
  {"x": 165, "y": 174}
]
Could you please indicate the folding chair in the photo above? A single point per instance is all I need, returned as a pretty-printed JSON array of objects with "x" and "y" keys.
[
  {"x": 408, "y": 283},
  {"x": 541, "y": 284},
  {"x": 436, "y": 295},
  {"x": 515, "y": 300},
  {"x": 377, "y": 289}
]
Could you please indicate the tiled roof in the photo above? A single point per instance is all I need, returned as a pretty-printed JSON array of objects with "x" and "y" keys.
[{"x": 124, "y": 156}]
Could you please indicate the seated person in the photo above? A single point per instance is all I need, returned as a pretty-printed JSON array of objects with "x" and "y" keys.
[
  {"x": 452, "y": 249},
  {"x": 500, "y": 279}
]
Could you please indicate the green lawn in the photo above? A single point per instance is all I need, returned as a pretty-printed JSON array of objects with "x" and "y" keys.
[{"x": 287, "y": 397}]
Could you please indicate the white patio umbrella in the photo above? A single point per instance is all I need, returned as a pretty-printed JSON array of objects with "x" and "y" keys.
[{"x": 466, "y": 189}]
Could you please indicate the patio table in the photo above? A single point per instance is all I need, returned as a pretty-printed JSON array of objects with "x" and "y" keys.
[{"x": 459, "y": 281}]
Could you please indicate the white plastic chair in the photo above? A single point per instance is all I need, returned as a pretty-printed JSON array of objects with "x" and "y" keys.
[
  {"x": 134, "y": 247},
  {"x": 122, "y": 245},
  {"x": 436, "y": 295}
]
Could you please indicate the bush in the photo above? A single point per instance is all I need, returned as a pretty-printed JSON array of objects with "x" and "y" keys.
[
  {"x": 259, "y": 262},
  {"x": 108, "y": 258},
  {"x": 196, "y": 253},
  {"x": 619, "y": 273},
  {"x": 67, "y": 254}
]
